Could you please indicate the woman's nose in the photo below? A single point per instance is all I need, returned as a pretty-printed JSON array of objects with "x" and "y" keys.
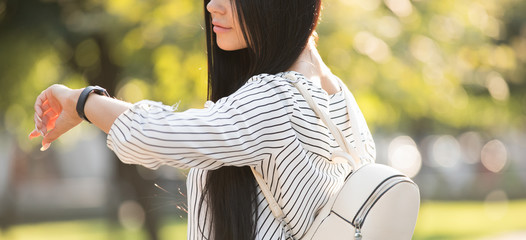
[{"x": 216, "y": 6}]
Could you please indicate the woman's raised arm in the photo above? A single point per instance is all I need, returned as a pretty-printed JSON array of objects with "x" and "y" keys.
[{"x": 55, "y": 112}]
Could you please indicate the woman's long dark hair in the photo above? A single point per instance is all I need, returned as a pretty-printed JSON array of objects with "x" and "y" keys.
[{"x": 276, "y": 32}]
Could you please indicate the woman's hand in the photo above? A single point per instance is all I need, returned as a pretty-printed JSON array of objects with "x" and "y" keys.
[{"x": 55, "y": 113}]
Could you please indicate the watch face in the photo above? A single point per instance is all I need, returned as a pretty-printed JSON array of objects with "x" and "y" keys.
[{"x": 100, "y": 91}]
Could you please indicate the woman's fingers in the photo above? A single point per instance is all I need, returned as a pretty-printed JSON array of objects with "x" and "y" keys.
[
  {"x": 47, "y": 110},
  {"x": 44, "y": 116},
  {"x": 51, "y": 123},
  {"x": 54, "y": 114},
  {"x": 41, "y": 106},
  {"x": 37, "y": 120},
  {"x": 35, "y": 133},
  {"x": 41, "y": 102},
  {"x": 45, "y": 146},
  {"x": 61, "y": 125}
]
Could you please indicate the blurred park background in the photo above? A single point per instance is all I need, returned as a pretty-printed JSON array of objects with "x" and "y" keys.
[{"x": 442, "y": 85}]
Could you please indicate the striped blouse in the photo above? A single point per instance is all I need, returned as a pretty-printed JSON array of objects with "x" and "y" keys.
[{"x": 266, "y": 124}]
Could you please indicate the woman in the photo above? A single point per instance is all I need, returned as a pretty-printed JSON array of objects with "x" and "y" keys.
[{"x": 259, "y": 119}]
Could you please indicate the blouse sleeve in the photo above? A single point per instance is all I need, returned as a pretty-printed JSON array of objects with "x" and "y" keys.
[{"x": 239, "y": 130}]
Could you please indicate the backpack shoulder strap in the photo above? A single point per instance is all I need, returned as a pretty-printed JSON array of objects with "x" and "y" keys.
[{"x": 335, "y": 131}]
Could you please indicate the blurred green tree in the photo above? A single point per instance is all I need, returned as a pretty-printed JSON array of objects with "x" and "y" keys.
[
  {"x": 419, "y": 66},
  {"x": 431, "y": 66},
  {"x": 132, "y": 48}
]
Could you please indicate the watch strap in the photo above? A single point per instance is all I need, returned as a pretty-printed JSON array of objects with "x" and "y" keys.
[{"x": 81, "y": 102}]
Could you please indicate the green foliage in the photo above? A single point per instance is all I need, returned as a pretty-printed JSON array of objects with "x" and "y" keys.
[
  {"x": 415, "y": 66},
  {"x": 469, "y": 220},
  {"x": 450, "y": 64},
  {"x": 90, "y": 230}
]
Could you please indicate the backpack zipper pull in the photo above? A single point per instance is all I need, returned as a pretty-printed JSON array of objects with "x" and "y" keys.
[{"x": 357, "y": 234}]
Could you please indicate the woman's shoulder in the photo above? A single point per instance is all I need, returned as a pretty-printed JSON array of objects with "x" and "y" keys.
[
  {"x": 282, "y": 80},
  {"x": 287, "y": 79},
  {"x": 278, "y": 82},
  {"x": 274, "y": 79}
]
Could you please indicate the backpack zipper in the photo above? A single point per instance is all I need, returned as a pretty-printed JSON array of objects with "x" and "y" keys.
[{"x": 378, "y": 192}]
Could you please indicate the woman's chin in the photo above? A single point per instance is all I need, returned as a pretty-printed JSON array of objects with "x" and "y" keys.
[{"x": 229, "y": 47}]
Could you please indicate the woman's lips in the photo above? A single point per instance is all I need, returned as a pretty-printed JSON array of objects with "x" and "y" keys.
[{"x": 218, "y": 28}]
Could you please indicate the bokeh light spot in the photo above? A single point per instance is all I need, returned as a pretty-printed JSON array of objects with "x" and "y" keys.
[
  {"x": 496, "y": 204},
  {"x": 446, "y": 28},
  {"x": 131, "y": 215},
  {"x": 424, "y": 49},
  {"x": 446, "y": 151},
  {"x": 478, "y": 15},
  {"x": 368, "y": 44},
  {"x": 403, "y": 155},
  {"x": 389, "y": 26},
  {"x": 87, "y": 53},
  {"x": 471, "y": 143},
  {"x": 152, "y": 34},
  {"x": 494, "y": 156},
  {"x": 401, "y": 8},
  {"x": 133, "y": 91},
  {"x": 497, "y": 87},
  {"x": 133, "y": 40},
  {"x": 503, "y": 57}
]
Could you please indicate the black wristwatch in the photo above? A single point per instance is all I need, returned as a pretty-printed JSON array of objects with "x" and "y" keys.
[{"x": 84, "y": 96}]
